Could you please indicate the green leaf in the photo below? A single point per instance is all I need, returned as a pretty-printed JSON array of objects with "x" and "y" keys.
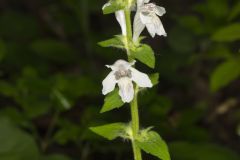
[
  {"x": 113, "y": 6},
  {"x": 110, "y": 131},
  {"x": 153, "y": 144},
  {"x": 154, "y": 78},
  {"x": 227, "y": 34},
  {"x": 145, "y": 54},
  {"x": 224, "y": 74},
  {"x": 235, "y": 11},
  {"x": 16, "y": 144},
  {"x": 200, "y": 151},
  {"x": 117, "y": 42},
  {"x": 112, "y": 101}
]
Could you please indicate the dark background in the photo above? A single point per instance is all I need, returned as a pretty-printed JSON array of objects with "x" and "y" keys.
[{"x": 51, "y": 70}]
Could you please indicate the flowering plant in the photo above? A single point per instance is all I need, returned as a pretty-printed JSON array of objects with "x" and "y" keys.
[{"x": 124, "y": 74}]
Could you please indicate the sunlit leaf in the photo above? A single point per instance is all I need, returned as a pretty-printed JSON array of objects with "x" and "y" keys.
[
  {"x": 154, "y": 78},
  {"x": 153, "y": 144},
  {"x": 117, "y": 42},
  {"x": 145, "y": 54},
  {"x": 110, "y": 131},
  {"x": 112, "y": 101},
  {"x": 113, "y": 6}
]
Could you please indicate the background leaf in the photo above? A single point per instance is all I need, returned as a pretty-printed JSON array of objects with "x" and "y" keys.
[
  {"x": 228, "y": 33},
  {"x": 200, "y": 151},
  {"x": 16, "y": 144},
  {"x": 224, "y": 74}
]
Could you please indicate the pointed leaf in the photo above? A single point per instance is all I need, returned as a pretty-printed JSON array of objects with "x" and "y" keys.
[
  {"x": 228, "y": 34},
  {"x": 153, "y": 144},
  {"x": 110, "y": 131},
  {"x": 112, "y": 6},
  {"x": 235, "y": 11},
  {"x": 224, "y": 74},
  {"x": 145, "y": 54},
  {"x": 112, "y": 101},
  {"x": 113, "y": 42},
  {"x": 154, "y": 78}
]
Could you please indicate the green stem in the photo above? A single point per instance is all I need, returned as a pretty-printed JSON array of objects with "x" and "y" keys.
[
  {"x": 127, "y": 13},
  {"x": 135, "y": 126},
  {"x": 134, "y": 103}
]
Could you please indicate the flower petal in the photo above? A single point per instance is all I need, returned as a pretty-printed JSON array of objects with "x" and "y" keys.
[
  {"x": 109, "y": 83},
  {"x": 148, "y": 21},
  {"x": 145, "y": 19},
  {"x": 120, "y": 16},
  {"x": 126, "y": 90},
  {"x": 138, "y": 27},
  {"x": 140, "y": 78},
  {"x": 141, "y": 2},
  {"x": 151, "y": 29},
  {"x": 159, "y": 27},
  {"x": 160, "y": 10}
]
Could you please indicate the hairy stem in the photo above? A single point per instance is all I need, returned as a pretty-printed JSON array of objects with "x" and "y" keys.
[
  {"x": 135, "y": 125},
  {"x": 134, "y": 103},
  {"x": 127, "y": 13}
]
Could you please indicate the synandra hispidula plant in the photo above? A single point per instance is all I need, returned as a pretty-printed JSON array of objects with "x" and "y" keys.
[{"x": 124, "y": 82}]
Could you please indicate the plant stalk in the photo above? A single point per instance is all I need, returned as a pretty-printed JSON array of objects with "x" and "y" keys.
[
  {"x": 135, "y": 125},
  {"x": 134, "y": 103}
]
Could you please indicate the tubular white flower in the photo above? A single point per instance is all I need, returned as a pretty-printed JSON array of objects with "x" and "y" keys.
[
  {"x": 123, "y": 74},
  {"x": 147, "y": 16},
  {"x": 120, "y": 16}
]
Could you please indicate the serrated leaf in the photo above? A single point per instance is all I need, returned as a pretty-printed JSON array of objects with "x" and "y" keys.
[
  {"x": 145, "y": 54},
  {"x": 112, "y": 6},
  {"x": 154, "y": 78},
  {"x": 112, "y": 101},
  {"x": 227, "y": 34},
  {"x": 110, "y": 131},
  {"x": 153, "y": 144},
  {"x": 224, "y": 74},
  {"x": 113, "y": 42}
]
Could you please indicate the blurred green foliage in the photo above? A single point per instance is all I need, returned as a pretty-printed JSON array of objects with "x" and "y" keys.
[{"x": 51, "y": 70}]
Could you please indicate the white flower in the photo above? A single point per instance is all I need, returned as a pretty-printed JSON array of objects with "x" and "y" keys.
[
  {"x": 120, "y": 16},
  {"x": 147, "y": 15},
  {"x": 123, "y": 74}
]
